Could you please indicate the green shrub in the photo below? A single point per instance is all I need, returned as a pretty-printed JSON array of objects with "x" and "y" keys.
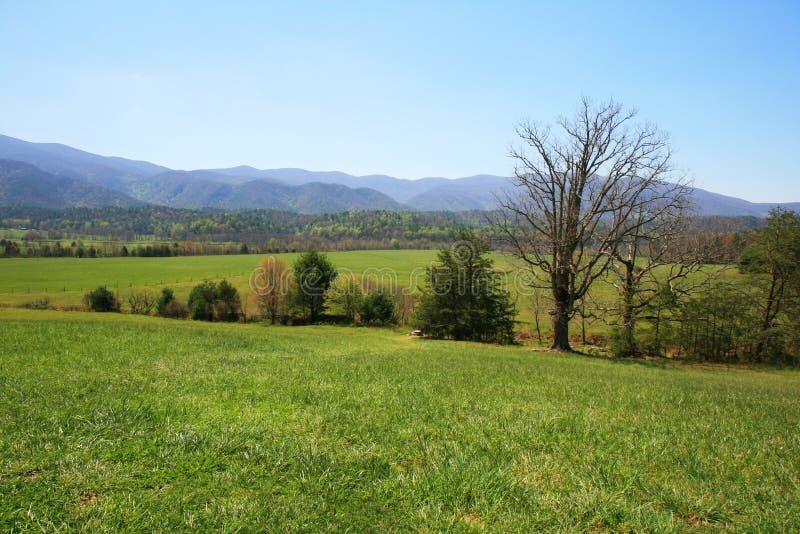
[
  {"x": 377, "y": 309},
  {"x": 101, "y": 300},
  {"x": 167, "y": 296},
  {"x": 215, "y": 302}
]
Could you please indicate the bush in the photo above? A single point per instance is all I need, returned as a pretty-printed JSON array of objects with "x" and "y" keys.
[
  {"x": 621, "y": 343},
  {"x": 201, "y": 301},
  {"x": 215, "y": 302},
  {"x": 142, "y": 302},
  {"x": 377, "y": 309},
  {"x": 167, "y": 296},
  {"x": 101, "y": 300},
  {"x": 175, "y": 310}
]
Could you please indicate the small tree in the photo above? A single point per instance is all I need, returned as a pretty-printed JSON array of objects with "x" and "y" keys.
[
  {"x": 377, "y": 309},
  {"x": 142, "y": 302},
  {"x": 201, "y": 301},
  {"x": 463, "y": 299},
  {"x": 101, "y": 300},
  {"x": 314, "y": 274},
  {"x": 651, "y": 257},
  {"x": 228, "y": 304},
  {"x": 404, "y": 302},
  {"x": 268, "y": 286},
  {"x": 167, "y": 296},
  {"x": 348, "y": 296}
]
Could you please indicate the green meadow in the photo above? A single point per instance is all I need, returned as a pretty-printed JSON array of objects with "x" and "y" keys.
[
  {"x": 64, "y": 281},
  {"x": 114, "y": 422}
]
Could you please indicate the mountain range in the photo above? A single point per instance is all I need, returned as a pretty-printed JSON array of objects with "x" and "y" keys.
[{"x": 55, "y": 175}]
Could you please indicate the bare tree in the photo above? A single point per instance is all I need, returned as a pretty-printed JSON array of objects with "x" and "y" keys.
[
  {"x": 142, "y": 302},
  {"x": 268, "y": 284},
  {"x": 576, "y": 197},
  {"x": 652, "y": 262}
]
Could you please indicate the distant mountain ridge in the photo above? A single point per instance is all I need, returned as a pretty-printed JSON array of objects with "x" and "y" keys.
[
  {"x": 22, "y": 184},
  {"x": 123, "y": 180}
]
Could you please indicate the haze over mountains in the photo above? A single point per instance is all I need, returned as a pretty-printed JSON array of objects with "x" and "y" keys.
[{"x": 54, "y": 175}]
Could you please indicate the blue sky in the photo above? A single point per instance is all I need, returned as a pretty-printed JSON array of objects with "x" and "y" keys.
[{"x": 409, "y": 89}]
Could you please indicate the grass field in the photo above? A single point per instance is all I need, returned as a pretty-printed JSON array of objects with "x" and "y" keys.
[
  {"x": 115, "y": 422},
  {"x": 64, "y": 281}
]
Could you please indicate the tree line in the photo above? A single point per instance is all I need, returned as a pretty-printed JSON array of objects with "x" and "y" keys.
[
  {"x": 159, "y": 231},
  {"x": 257, "y": 231}
]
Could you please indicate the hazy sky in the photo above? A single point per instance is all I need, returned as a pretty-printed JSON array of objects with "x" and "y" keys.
[{"x": 409, "y": 89}]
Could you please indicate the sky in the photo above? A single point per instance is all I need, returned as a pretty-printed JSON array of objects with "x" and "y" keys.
[{"x": 409, "y": 89}]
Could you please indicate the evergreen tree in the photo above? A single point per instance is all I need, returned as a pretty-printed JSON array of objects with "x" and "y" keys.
[
  {"x": 377, "y": 309},
  {"x": 314, "y": 274},
  {"x": 463, "y": 299}
]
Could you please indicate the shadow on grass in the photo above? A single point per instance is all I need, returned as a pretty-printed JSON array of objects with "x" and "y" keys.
[{"x": 660, "y": 362}]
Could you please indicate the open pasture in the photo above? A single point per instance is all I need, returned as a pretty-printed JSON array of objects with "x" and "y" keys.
[
  {"x": 64, "y": 281},
  {"x": 116, "y": 422}
]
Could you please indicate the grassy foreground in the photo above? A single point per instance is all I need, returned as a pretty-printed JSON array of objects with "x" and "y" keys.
[{"x": 113, "y": 422}]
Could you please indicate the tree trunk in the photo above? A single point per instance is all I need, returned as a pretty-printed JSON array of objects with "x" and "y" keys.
[
  {"x": 628, "y": 319},
  {"x": 767, "y": 318},
  {"x": 561, "y": 327}
]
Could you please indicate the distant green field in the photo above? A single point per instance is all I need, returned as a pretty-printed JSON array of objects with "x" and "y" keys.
[
  {"x": 65, "y": 280},
  {"x": 114, "y": 422}
]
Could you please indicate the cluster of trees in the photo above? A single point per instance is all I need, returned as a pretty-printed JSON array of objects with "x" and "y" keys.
[
  {"x": 208, "y": 301},
  {"x": 713, "y": 316},
  {"x": 312, "y": 290},
  {"x": 462, "y": 298}
]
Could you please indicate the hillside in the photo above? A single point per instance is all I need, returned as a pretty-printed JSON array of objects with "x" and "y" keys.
[
  {"x": 22, "y": 184},
  {"x": 67, "y": 161},
  {"x": 119, "y": 422},
  {"x": 200, "y": 189}
]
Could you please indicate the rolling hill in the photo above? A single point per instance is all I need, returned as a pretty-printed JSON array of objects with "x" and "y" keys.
[{"x": 200, "y": 189}]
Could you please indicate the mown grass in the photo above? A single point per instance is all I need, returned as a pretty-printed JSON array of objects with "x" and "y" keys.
[{"x": 114, "y": 422}]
